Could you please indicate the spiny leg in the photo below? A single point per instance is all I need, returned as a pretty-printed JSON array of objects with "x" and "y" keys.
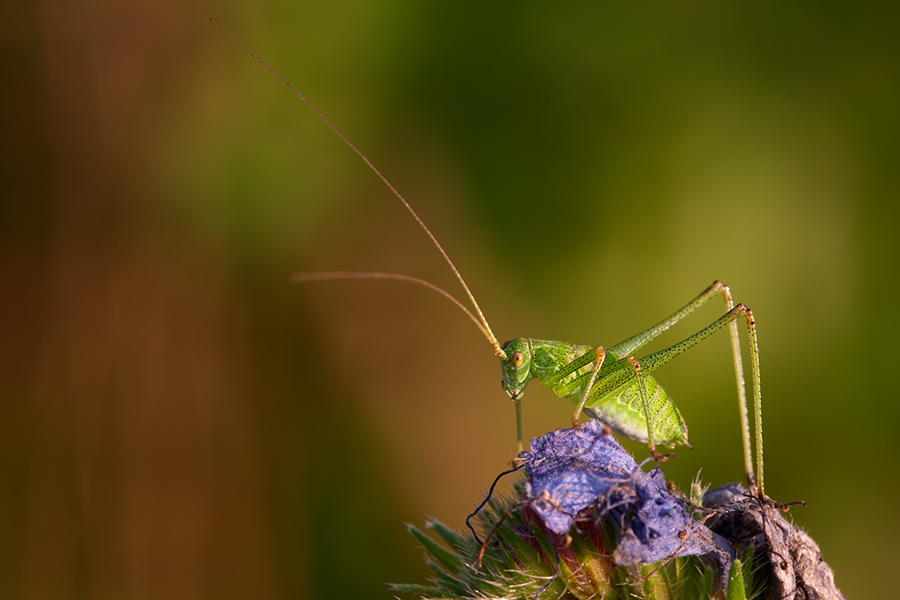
[
  {"x": 741, "y": 384},
  {"x": 642, "y": 387},
  {"x": 598, "y": 362},
  {"x": 757, "y": 404},
  {"x": 653, "y": 361},
  {"x": 633, "y": 343},
  {"x": 630, "y": 345}
]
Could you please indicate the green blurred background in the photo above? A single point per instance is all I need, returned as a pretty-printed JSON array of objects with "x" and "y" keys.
[{"x": 178, "y": 421}]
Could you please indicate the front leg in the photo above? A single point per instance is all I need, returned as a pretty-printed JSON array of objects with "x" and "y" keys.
[{"x": 598, "y": 363}]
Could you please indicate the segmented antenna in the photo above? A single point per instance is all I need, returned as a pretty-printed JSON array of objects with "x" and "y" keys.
[
  {"x": 326, "y": 275},
  {"x": 483, "y": 325}
]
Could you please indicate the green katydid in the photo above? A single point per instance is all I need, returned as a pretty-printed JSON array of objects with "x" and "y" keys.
[{"x": 609, "y": 384}]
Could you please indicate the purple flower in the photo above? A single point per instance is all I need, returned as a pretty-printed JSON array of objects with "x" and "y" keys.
[{"x": 574, "y": 470}]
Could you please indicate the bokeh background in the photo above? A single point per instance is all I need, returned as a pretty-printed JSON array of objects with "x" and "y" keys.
[{"x": 179, "y": 421}]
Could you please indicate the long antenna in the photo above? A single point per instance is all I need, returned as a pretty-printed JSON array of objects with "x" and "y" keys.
[
  {"x": 484, "y": 327},
  {"x": 330, "y": 275}
]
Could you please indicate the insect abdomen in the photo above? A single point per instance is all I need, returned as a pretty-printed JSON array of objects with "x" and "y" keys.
[{"x": 624, "y": 412}]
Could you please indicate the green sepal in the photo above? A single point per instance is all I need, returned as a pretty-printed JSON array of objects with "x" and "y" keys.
[
  {"x": 444, "y": 556},
  {"x": 708, "y": 581},
  {"x": 421, "y": 591},
  {"x": 654, "y": 584},
  {"x": 446, "y": 580},
  {"x": 447, "y": 534},
  {"x": 736, "y": 583}
]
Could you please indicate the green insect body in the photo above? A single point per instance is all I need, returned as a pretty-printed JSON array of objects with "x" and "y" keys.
[
  {"x": 613, "y": 386},
  {"x": 609, "y": 384},
  {"x": 615, "y": 397}
]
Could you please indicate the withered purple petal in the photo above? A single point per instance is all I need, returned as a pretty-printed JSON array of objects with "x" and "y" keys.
[
  {"x": 570, "y": 470},
  {"x": 661, "y": 528}
]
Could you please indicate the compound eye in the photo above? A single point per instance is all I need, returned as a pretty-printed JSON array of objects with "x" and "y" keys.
[{"x": 517, "y": 359}]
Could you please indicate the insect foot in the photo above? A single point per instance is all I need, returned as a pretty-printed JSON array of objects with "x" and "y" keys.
[{"x": 658, "y": 457}]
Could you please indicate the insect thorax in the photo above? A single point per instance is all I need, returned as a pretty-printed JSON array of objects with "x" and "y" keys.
[{"x": 550, "y": 356}]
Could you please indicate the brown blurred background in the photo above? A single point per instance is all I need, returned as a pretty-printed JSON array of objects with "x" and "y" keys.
[{"x": 178, "y": 421}]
